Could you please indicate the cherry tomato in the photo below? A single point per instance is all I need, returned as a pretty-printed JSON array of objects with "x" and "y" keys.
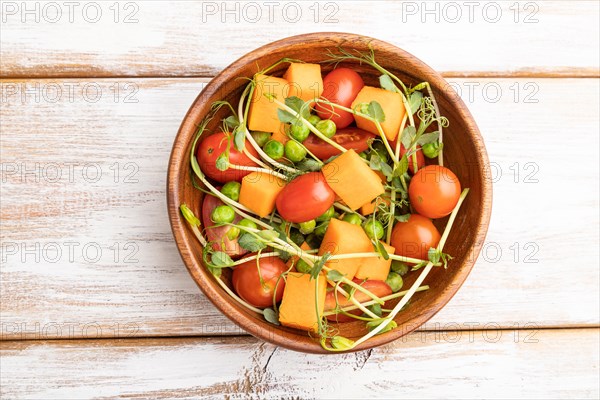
[
  {"x": 247, "y": 281},
  {"x": 340, "y": 86},
  {"x": 414, "y": 237},
  {"x": 305, "y": 198},
  {"x": 212, "y": 147},
  {"x": 218, "y": 234},
  {"x": 350, "y": 138},
  {"x": 434, "y": 191},
  {"x": 378, "y": 288}
]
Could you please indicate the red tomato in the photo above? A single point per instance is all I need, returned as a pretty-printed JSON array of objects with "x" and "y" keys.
[
  {"x": 340, "y": 86},
  {"x": 247, "y": 281},
  {"x": 434, "y": 191},
  {"x": 305, "y": 198},
  {"x": 350, "y": 138},
  {"x": 212, "y": 147},
  {"x": 378, "y": 288},
  {"x": 218, "y": 234},
  {"x": 414, "y": 237}
]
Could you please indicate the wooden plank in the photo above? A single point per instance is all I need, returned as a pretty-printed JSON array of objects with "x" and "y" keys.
[
  {"x": 475, "y": 364},
  {"x": 139, "y": 287},
  {"x": 159, "y": 38}
]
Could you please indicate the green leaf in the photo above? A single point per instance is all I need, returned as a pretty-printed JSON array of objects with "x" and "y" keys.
[
  {"x": 407, "y": 136},
  {"x": 374, "y": 324},
  {"x": 334, "y": 275},
  {"x": 318, "y": 266},
  {"x": 271, "y": 316},
  {"x": 414, "y": 101},
  {"x": 378, "y": 246},
  {"x": 222, "y": 162},
  {"x": 285, "y": 116},
  {"x": 309, "y": 165},
  {"x": 249, "y": 242},
  {"x": 298, "y": 105},
  {"x": 221, "y": 259},
  {"x": 434, "y": 255},
  {"x": 387, "y": 83},
  {"x": 269, "y": 235},
  {"x": 341, "y": 343},
  {"x": 402, "y": 218},
  {"x": 376, "y": 112},
  {"x": 402, "y": 166},
  {"x": 387, "y": 170},
  {"x": 375, "y": 162},
  {"x": 239, "y": 139},
  {"x": 231, "y": 122},
  {"x": 428, "y": 138},
  {"x": 189, "y": 215}
]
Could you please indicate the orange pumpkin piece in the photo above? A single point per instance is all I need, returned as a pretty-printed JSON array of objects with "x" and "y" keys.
[
  {"x": 392, "y": 106},
  {"x": 298, "y": 308},
  {"x": 342, "y": 237},
  {"x": 280, "y": 134},
  {"x": 305, "y": 80},
  {"x": 375, "y": 268},
  {"x": 352, "y": 179},
  {"x": 259, "y": 191},
  {"x": 262, "y": 115}
]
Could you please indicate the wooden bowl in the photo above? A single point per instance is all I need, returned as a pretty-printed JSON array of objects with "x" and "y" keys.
[{"x": 464, "y": 153}]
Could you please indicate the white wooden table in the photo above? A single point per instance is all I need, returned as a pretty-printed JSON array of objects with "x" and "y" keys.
[{"x": 95, "y": 301}]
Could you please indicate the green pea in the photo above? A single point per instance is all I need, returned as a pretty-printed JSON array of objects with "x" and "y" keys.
[
  {"x": 248, "y": 224},
  {"x": 313, "y": 119},
  {"x": 299, "y": 132},
  {"x": 222, "y": 215},
  {"x": 394, "y": 280},
  {"x": 260, "y": 137},
  {"x": 302, "y": 266},
  {"x": 321, "y": 229},
  {"x": 232, "y": 190},
  {"x": 294, "y": 151},
  {"x": 353, "y": 218},
  {"x": 327, "y": 215},
  {"x": 308, "y": 226},
  {"x": 432, "y": 150},
  {"x": 399, "y": 267},
  {"x": 375, "y": 309},
  {"x": 363, "y": 155},
  {"x": 233, "y": 233},
  {"x": 274, "y": 149},
  {"x": 373, "y": 228},
  {"x": 296, "y": 237},
  {"x": 326, "y": 127}
]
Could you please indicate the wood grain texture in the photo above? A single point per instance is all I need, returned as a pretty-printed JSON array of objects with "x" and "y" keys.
[
  {"x": 201, "y": 38},
  {"x": 154, "y": 296},
  {"x": 475, "y": 364}
]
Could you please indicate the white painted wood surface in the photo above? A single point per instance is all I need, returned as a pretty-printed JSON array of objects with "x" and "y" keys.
[
  {"x": 178, "y": 38},
  {"x": 493, "y": 364},
  {"x": 534, "y": 259}
]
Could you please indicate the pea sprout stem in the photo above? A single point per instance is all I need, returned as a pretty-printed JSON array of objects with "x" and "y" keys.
[
  {"x": 236, "y": 297},
  {"x": 256, "y": 169},
  {"x": 356, "y": 303},
  {"x": 420, "y": 278},
  {"x": 347, "y": 209},
  {"x": 370, "y": 303},
  {"x": 310, "y": 126}
]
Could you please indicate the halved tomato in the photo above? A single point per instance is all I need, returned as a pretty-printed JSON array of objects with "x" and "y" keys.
[
  {"x": 350, "y": 138},
  {"x": 217, "y": 235}
]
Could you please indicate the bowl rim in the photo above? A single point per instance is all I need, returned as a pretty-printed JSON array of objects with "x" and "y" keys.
[{"x": 207, "y": 284}]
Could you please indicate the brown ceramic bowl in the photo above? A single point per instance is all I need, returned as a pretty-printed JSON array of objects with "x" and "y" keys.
[{"x": 464, "y": 153}]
